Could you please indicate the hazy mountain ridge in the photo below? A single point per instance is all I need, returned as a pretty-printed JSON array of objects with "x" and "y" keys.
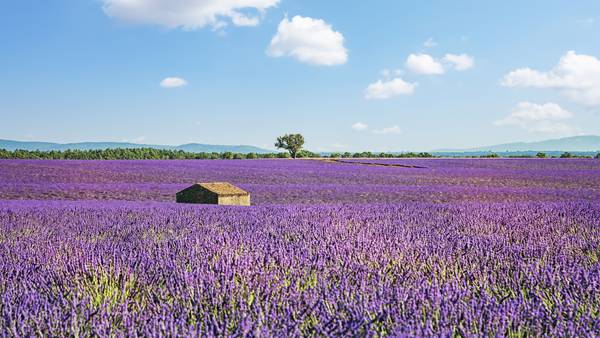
[
  {"x": 587, "y": 143},
  {"x": 190, "y": 147},
  {"x": 582, "y": 144}
]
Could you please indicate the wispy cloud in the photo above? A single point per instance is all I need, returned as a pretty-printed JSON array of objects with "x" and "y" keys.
[
  {"x": 388, "y": 130},
  {"x": 588, "y": 21},
  {"x": 548, "y": 118},
  {"x": 337, "y": 146},
  {"x": 189, "y": 14},
  {"x": 430, "y": 43},
  {"x": 139, "y": 139},
  {"x": 360, "y": 126}
]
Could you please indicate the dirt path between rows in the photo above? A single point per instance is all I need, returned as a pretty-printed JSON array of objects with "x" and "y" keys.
[{"x": 333, "y": 160}]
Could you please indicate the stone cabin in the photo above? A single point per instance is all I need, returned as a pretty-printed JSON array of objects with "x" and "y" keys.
[{"x": 221, "y": 193}]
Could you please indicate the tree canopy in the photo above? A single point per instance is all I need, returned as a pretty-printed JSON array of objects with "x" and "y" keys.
[{"x": 291, "y": 142}]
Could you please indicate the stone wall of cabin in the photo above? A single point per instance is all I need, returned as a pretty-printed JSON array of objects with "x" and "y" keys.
[{"x": 243, "y": 200}]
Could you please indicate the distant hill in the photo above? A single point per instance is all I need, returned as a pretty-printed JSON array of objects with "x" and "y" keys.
[
  {"x": 191, "y": 147},
  {"x": 209, "y": 148},
  {"x": 588, "y": 143}
]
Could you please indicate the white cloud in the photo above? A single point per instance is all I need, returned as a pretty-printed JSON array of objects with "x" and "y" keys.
[
  {"x": 430, "y": 43},
  {"x": 189, "y": 14},
  {"x": 173, "y": 82},
  {"x": 575, "y": 75},
  {"x": 381, "y": 90},
  {"x": 308, "y": 40},
  {"x": 460, "y": 62},
  {"x": 428, "y": 65},
  {"x": 389, "y": 130},
  {"x": 360, "y": 126},
  {"x": 545, "y": 118},
  {"x": 531, "y": 112},
  {"x": 424, "y": 64}
]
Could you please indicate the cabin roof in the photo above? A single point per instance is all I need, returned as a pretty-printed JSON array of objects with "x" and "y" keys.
[{"x": 223, "y": 188}]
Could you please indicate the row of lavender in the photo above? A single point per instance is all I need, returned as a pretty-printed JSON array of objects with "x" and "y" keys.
[
  {"x": 420, "y": 269},
  {"x": 308, "y": 181}
]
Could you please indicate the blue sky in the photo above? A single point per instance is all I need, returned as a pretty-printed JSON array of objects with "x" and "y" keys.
[{"x": 349, "y": 75}]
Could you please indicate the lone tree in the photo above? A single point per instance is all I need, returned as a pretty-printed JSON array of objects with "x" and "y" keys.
[{"x": 290, "y": 142}]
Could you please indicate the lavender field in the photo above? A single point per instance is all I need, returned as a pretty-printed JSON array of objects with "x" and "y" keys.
[{"x": 452, "y": 247}]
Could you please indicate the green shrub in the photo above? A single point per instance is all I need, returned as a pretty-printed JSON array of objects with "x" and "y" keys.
[
  {"x": 566, "y": 155},
  {"x": 305, "y": 153}
]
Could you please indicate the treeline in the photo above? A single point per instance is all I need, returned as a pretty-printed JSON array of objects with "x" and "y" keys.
[
  {"x": 162, "y": 154},
  {"x": 129, "y": 154},
  {"x": 368, "y": 154},
  {"x": 568, "y": 155},
  {"x": 540, "y": 155}
]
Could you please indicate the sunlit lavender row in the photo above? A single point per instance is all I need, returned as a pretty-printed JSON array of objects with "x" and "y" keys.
[{"x": 309, "y": 181}]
